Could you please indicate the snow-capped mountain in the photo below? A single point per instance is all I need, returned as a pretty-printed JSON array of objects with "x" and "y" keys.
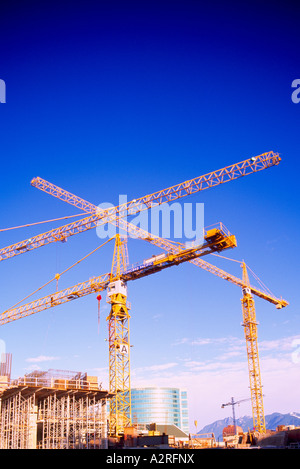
[{"x": 246, "y": 422}]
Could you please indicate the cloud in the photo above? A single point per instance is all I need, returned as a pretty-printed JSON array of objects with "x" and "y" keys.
[
  {"x": 152, "y": 375},
  {"x": 211, "y": 378},
  {"x": 216, "y": 369},
  {"x": 210, "y": 341},
  {"x": 184, "y": 340},
  {"x": 160, "y": 367},
  {"x": 41, "y": 358},
  {"x": 213, "y": 366},
  {"x": 284, "y": 344},
  {"x": 156, "y": 317},
  {"x": 227, "y": 348}
]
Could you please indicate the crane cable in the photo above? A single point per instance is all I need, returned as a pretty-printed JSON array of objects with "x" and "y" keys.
[
  {"x": 263, "y": 286},
  {"x": 261, "y": 283},
  {"x": 57, "y": 276},
  {"x": 40, "y": 222}
]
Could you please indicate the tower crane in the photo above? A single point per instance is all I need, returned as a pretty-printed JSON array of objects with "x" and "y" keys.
[
  {"x": 217, "y": 241},
  {"x": 115, "y": 283},
  {"x": 233, "y": 403},
  {"x": 119, "y": 278},
  {"x": 250, "y": 331}
]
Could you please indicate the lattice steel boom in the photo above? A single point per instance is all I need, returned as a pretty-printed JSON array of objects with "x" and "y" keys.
[
  {"x": 223, "y": 241},
  {"x": 167, "y": 245},
  {"x": 192, "y": 186}
]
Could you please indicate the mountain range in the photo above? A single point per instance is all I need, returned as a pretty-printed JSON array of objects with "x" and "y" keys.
[{"x": 246, "y": 422}]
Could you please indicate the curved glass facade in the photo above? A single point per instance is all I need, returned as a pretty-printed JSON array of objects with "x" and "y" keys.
[{"x": 164, "y": 406}]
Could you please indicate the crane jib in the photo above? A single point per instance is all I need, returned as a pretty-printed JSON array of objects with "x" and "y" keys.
[{"x": 229, "y": 173}]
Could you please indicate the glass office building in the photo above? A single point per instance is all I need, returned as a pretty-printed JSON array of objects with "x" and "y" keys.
[{"x": 163, "y": 406}]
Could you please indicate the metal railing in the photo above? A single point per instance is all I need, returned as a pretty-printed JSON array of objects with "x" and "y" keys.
[{"x": 56, "y": 383}]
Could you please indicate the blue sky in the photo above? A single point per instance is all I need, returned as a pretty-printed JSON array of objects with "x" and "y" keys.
[{"x": 103, "y": 100}]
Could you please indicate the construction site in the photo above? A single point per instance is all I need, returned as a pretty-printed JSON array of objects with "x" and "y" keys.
[
  {"x": 62, "y": 409},
  {"x": 52, "y": 410}
]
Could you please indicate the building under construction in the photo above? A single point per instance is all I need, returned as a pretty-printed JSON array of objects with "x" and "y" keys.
[{"x": 52, "y": 410}]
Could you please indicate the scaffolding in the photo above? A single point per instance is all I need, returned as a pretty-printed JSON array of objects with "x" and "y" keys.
[{"x": 44, "y": 410}]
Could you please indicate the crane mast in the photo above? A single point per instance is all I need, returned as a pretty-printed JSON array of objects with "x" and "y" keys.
[
  {"x": 119, "y": 342},
  {"x": 233, "y": 403},
  {"x": 250, "y": 329}
]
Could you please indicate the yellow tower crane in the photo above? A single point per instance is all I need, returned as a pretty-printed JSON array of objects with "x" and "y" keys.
[
  {"x": 250, "y": 328},
  {"x": 119, "y": 342},
  {"x": 115, "y": 282}
]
